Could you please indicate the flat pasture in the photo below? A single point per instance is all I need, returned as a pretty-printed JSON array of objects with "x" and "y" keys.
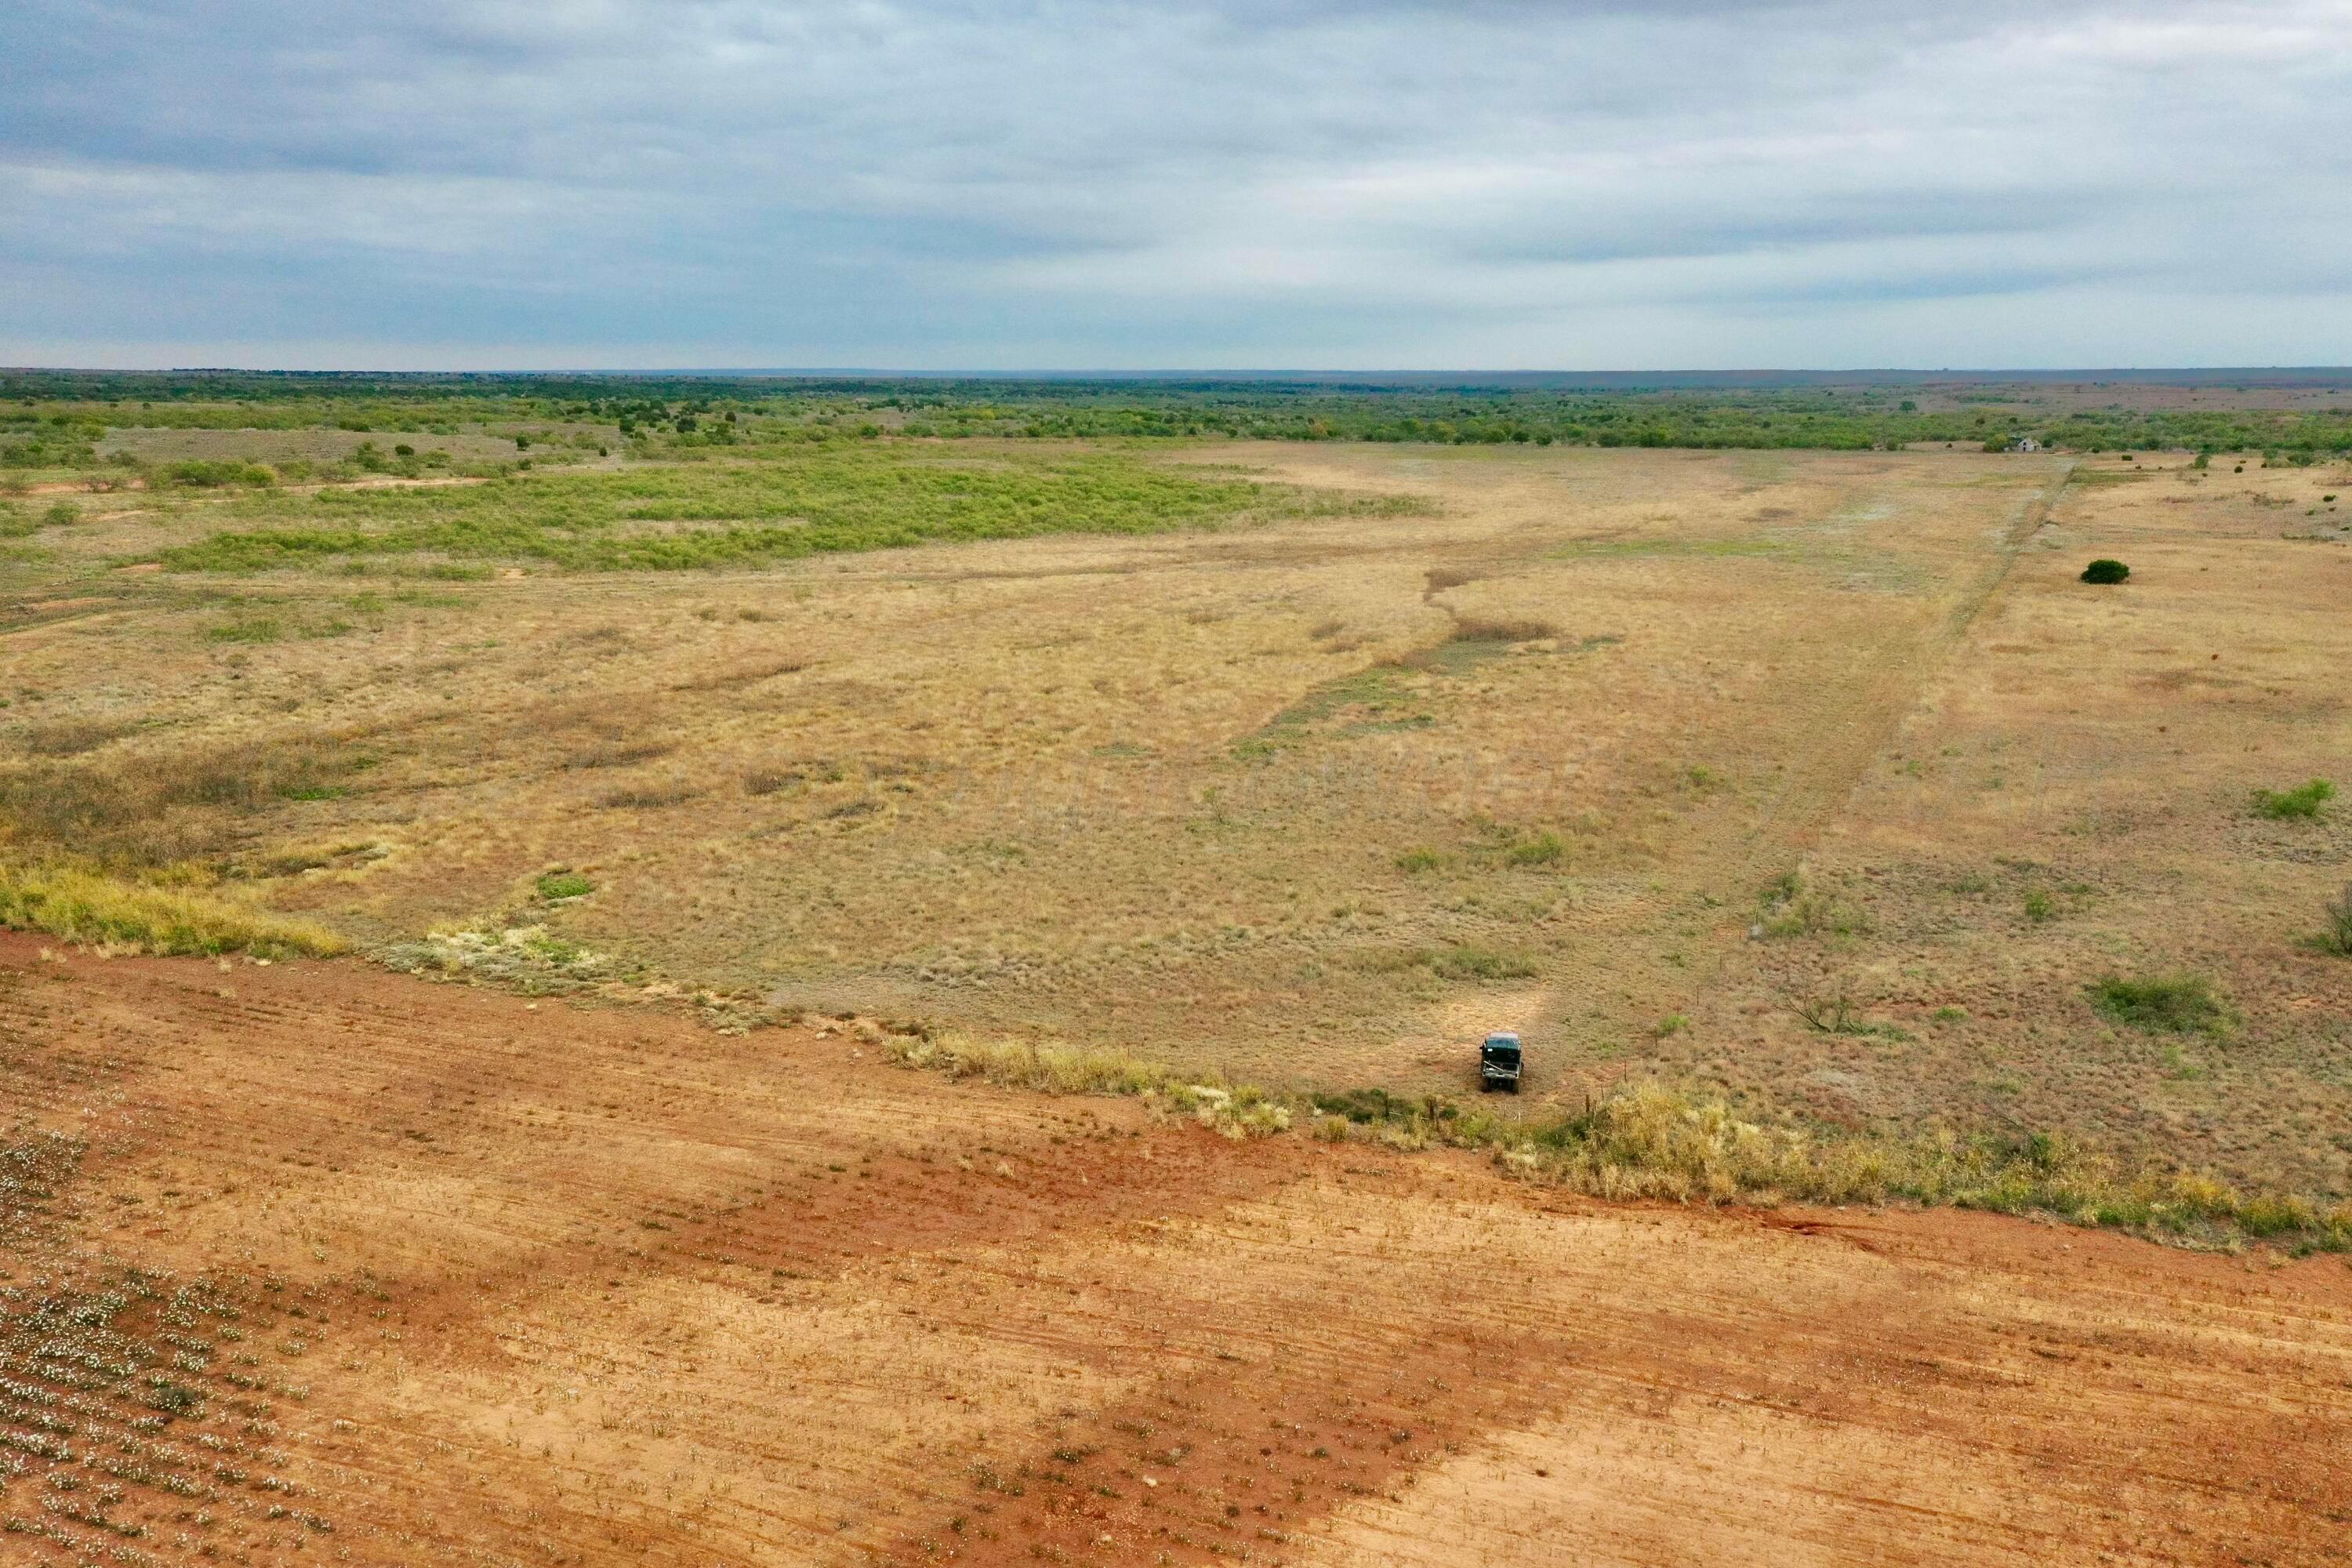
[{"x": 1814, "y": 780}]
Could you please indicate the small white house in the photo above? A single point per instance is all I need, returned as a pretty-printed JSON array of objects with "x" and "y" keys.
[{"x": 2025, "y": 444}]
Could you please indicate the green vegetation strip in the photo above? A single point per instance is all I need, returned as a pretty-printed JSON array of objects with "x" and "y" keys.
[
  {"x": 1648, "y": 1141},
  {"x": 811, "y": 502},
  {"x": 83, "y": 906}
]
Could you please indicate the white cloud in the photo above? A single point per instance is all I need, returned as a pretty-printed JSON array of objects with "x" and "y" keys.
[{"x": 1077, "y": 182}]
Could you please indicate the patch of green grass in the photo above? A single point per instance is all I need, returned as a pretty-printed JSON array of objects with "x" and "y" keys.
[
  {"x": 809, "y": 502},
  {"x": 2171, "y": 1003},
  {"x": 252, "y": 629},
  {"x": 1370, "y": 694},
  {"x": 2303, "y": 801},
  {"x": 557, "y": 885},
  {"x": 2038, "y": 907},
  {"x": 1413, "y": 861}
]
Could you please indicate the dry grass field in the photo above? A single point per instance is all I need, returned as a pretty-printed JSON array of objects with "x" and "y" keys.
[
  {"x": 1644, "y": 753},
  {"x": 307, "y": 1261}
]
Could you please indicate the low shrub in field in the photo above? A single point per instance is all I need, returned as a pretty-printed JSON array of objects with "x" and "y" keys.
[
  {"x": 2303, "y": 801},
  {"x": 2105, "y": 571},
  {"x": 2169, "y": 1004},
  {"x": 1546, "y": 848},
  {"x": 83, "y": 906},
  {"x": 199, "y": 475},
  {"x": 2336, "y": 937},
  {"x": 564, "y": 885}
]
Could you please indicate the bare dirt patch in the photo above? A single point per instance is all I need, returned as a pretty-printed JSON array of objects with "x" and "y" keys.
[{"x": 417, "y": 1273}]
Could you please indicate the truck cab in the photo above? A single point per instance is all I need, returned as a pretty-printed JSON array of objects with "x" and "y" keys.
[{"x": 1499, "y": 1062}]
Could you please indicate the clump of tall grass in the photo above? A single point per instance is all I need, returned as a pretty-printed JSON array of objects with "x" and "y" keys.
[
  {"x": 1649, "y": 1141},
  {"x": 1479, "y": 629},
  {"x": 84, "y": 906},
  {"x": 2336, "y": 937},
  {"x": 153, "y": 807},
  {"x": 1238, "y": 1110}
]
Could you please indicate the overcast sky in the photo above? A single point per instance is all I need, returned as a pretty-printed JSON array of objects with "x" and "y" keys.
[{"x": 1134, "y": 183}]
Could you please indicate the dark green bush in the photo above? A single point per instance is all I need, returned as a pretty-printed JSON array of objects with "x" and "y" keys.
[{"x": 2104, "y": 570}]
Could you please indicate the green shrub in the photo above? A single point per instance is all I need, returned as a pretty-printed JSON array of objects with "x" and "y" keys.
[
  {"x": 564, "y": 885},
  {"x": 62, "y": 515},
  {"x": 1546, "y": 848},
  {"x": 2038, "y": 907},
  {"x": 2305, "y": 800},
  {"x": 1417, "y": 860},
  {"x": 2173, "y": 1004},
  {"x": 2104, "y": 570},
  {"x": 199, "y": 475}
]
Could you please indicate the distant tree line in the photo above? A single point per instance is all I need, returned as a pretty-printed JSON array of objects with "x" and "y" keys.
[{"x": 49, "y": 416}]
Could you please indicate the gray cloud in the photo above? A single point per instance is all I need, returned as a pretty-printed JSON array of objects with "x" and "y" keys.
[{"x": 1173, "y": 183}]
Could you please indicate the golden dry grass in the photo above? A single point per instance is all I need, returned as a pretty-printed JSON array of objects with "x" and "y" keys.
[{"x": 83, "y": 906}]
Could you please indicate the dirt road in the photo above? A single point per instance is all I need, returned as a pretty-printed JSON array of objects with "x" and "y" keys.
[{"x": 307, "y": 1259}]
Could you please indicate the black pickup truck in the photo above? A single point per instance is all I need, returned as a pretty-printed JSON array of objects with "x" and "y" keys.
[{"x": 1499, "y": 1062}]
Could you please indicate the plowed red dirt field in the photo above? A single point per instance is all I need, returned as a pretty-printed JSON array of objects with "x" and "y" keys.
[{"x": 308, "y": 1261}]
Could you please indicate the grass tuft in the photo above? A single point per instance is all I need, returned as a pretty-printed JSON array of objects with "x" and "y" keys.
[
  {"x": 2336, "y": 937},
  {"x": 83, "y": 906}
]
